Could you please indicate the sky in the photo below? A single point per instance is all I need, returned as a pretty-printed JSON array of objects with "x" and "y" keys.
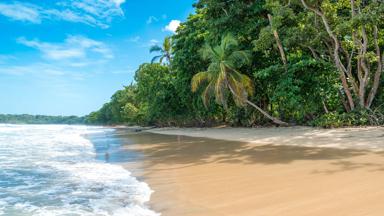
[{"x": 67, "y": 57}]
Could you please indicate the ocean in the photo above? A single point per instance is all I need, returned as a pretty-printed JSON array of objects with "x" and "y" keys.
[{"x": 49, "y": 170}]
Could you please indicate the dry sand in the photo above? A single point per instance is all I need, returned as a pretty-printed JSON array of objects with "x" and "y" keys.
[{"x": 263, "y": 172}]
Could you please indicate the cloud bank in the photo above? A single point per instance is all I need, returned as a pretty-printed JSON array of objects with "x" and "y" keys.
[
  {"x": 98, "y": 13},
  {"x": 74, "y": 47}
]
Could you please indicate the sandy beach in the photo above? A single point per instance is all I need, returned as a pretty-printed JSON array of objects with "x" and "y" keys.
[{"x": 252, "y": 172}]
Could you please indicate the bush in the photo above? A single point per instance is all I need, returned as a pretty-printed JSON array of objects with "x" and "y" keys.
[{"x": 355, "y": 118}]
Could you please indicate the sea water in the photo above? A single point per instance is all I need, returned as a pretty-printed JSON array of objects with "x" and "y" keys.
[{"x": 48, "y": 170}]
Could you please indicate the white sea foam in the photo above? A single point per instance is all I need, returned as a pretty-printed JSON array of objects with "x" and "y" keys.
[{"x": 48, "y": 170}]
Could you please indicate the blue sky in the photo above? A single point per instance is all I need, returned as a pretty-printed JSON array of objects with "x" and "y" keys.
[{"x": 67, "y": 57}]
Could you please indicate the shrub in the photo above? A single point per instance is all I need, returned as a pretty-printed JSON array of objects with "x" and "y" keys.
[{"x": 355, "y": 118}]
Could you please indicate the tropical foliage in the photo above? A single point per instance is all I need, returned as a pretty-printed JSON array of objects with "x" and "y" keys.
[
  {"x": 40, "y": 119},
  {"x": 165, "y": 51},
  {"x": 223, "y": 78},
  {"x": 298, "y": 61}
]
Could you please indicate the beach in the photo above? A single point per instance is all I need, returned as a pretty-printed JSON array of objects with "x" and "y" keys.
[{"x": 267, "y": 171}]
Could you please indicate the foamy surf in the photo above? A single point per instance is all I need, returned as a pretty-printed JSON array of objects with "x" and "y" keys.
[{"x": 52, "y": 170}]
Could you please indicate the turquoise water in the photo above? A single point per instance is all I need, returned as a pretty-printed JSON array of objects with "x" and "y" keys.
[{"x": 53, "y": 170}]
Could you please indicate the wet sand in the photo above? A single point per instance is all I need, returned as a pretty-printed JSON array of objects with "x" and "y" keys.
[{"x": 194, "y": 176}]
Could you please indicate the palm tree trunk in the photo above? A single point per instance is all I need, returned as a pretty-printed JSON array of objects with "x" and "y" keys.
[{"x": 275, "y": 120}]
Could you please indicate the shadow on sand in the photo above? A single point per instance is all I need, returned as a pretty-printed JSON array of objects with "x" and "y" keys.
[{"x": 188, "y": 151}]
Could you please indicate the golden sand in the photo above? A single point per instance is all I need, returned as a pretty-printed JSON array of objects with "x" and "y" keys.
[{"x": 207, "y": 177}]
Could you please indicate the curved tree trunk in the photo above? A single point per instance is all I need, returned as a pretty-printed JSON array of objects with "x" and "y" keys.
[
  {"x": 275, "y": 120},
  {"x": 364, "y": 88},
  {"x": 379, "y": 71},
  {"x": 341, "y": 68}
]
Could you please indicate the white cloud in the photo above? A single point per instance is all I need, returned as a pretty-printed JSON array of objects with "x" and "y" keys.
[
  {"x": 74, "y": 47},
  {"x": 152, "y": 19},
  {"x": 118, "y": 2},
  {"x": 153, "y": 42},
  {"x": 149, "y": 43},
  {"x": 99, "y": 8},
  {"x": 172, "y": 26},
  {"x": 91, "y": 12},
  {"x": 21, "y": 12},
  {"x": 71, "y": 16}
]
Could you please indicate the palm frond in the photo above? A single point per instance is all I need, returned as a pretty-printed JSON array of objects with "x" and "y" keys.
[
  {"x": 162, "y": 59},
  {"x": 214, "y": 67},
  {"x": 167, "y": 45},
  {"x": 207, "y": 93},
  {"x": 244, "y": 81},
  {"x": 220, "y": 86},
  {"x": 224, "y": 60},
  {"x": 155, "y": 48},
  {"x": 240, "y": 57},
  {"x": 206, "y": 52},
  {"x": 239, "y": 94},
  {"x": 219, "y": 53},
  {"x": 229, "y": 65},
  {"x": 248, "y": 85},
  {"x": 155, "y": 59},
  {"x": 228, "y": 42},
  {"x": 198, "y": 79}
]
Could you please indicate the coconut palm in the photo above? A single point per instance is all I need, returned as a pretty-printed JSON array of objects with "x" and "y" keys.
[
  {"x": 165, "y": 51},
  {"x": 222, "y": 77}
]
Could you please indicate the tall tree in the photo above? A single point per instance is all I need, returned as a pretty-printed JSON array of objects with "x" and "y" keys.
[
  {"x": 222, "y": 77},
  {"x": 354, "y": 29},
  {"x": 165, "y": 51}
]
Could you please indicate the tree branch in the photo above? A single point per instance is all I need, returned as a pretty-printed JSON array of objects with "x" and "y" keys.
[
  {"x": 278, "y": 42},
  {"x": 339, "y": 65},
  {"x": 379, "y": 70}
]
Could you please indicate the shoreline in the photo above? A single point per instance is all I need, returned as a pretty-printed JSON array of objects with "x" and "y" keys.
[
  {"x": 344, "y": 138},
  {"x": 254, "y": 175}
]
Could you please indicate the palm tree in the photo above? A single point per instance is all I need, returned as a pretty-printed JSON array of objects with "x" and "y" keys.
[
  {"x": 222, "y": 77},
  {"x": 165, "y": 51}
]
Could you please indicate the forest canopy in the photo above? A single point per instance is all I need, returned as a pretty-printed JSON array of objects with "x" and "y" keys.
[
  {"x": 251, "y": 62},
  {"x": 40, "y": 119}
]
